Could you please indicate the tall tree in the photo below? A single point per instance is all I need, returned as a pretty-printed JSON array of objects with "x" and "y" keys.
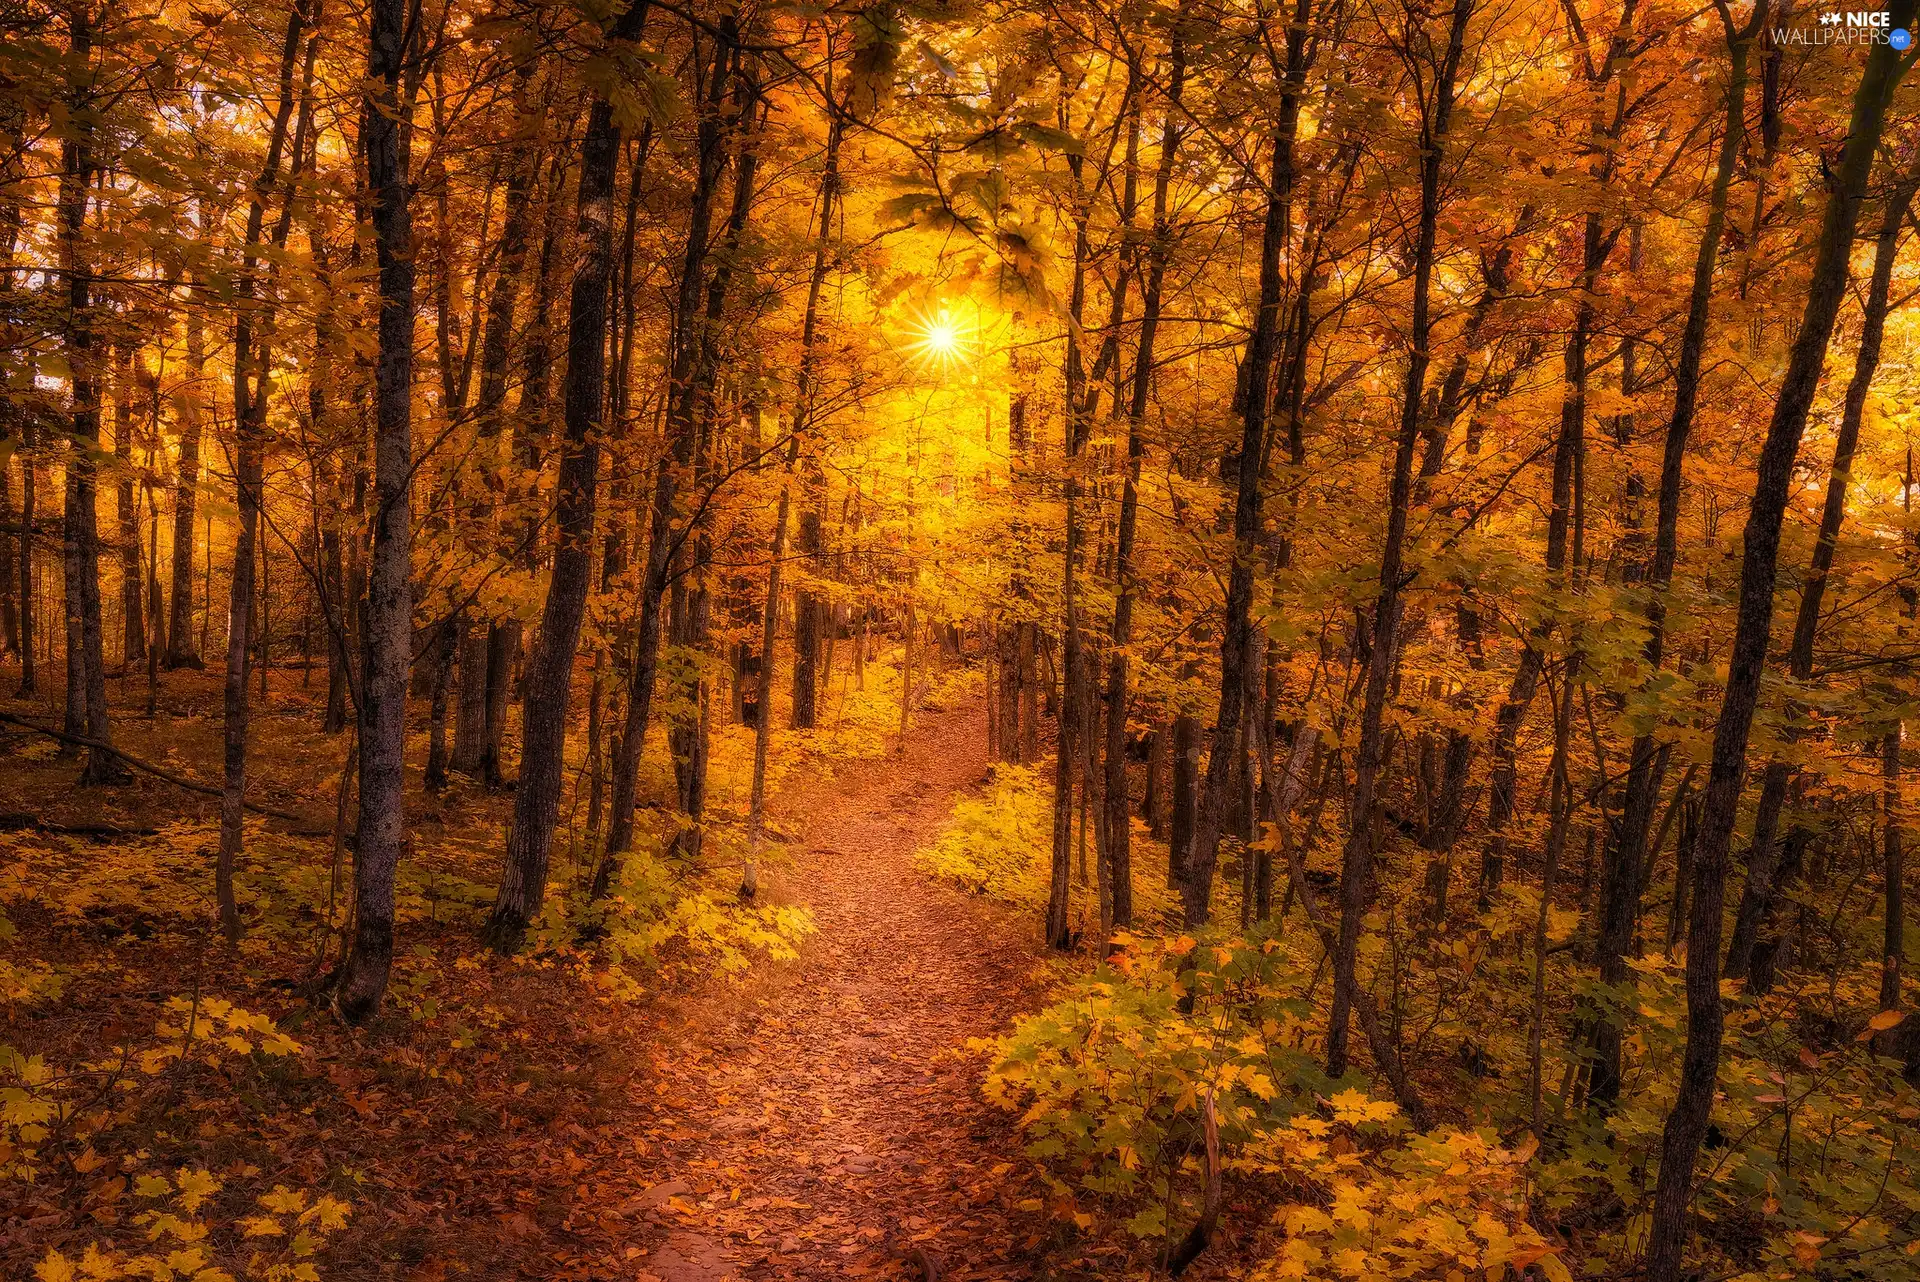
[
  {"x": 252, "y": 371},
  {"x": 549, "y": 681},
  {"x": 87, "y": 711},
  {"x": 1686, "y": 1125},
  {"x": 386, "y": 139},
  {"x": 1356, "y": 865}
]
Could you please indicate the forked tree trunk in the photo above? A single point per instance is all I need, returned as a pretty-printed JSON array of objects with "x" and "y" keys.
[
  {"x": 1621, "y": 883},
  {"x": 802, "y": 420},
  {"x": 1236, "y": 644},
  {"x": 1357, "y": 863},
  {"x": 1119, "y": 824},
  {"x": 1760, "y": 893},
  {"x": 475, "y": 747},
  {"x": 252, "y": 365}
]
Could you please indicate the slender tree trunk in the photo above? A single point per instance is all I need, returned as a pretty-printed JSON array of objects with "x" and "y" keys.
[
  {"x": 252, "y": 365},
  {"x": 28, "y": 515},
  {"x": 133, "y": 630},
  {"x": 387, "y": 625},
  {"x": 445, "y": 646},
  {"x": 1357, "y": 863},
  {"x": 182, "y": 648},
  {"x": 802, "y": 420},
  {"x": 1560, "y": 807},
  {"x": 13, "y": 424},
  {"x": 488, "y": 651},
  {"x": 1059, "y": 931},
  {"x": 1760, "y": 893},
  {"x": 9, "y": 573},
  {"x": 470, "y": 712},
  {"x": 691, "y": 740},
  {"x": 1236, "y": 645},
  {"x": 86, "y": 665},
  {"x": 1621, "y": 882},
  {"x": 1686, "y": 1124},
  {"x": 549, "y": 680},
  {"x": 681, "y": 429},
  {"x": 1893, "y": 948},
  {"x": 1119, "y": 823}
]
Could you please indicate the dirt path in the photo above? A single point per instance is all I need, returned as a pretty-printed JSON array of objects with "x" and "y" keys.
[{"x": 821, "y": 1125}]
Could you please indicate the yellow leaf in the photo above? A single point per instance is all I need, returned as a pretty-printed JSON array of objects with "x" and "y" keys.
[
  {"x": 55, "y": 1268},
  {"x": 1880, "y": 1023},
  {"x": 195, "y": 1188}
]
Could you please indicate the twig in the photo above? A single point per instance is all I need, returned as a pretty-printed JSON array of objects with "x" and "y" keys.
[{"x": 178, "y": 781}]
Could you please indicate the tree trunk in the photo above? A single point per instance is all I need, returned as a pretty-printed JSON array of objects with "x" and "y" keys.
[
  {"x": 808, "y": 610},
  {"x": 1059, "y": 932},
  {"x": 1621, "y": 883},
  {"x": 252, "y": 366},
  {"x": 1357, "y": 862},
  {"x": 387, "y": 623},
  {"x": 549, "y": 679},
  {"x": 183, "y": 650},
  {"x": 805, "y": 606},
  {"x": 86, "y": 665},
  {"x": 452, "y": 634},
  {"x": 488, "y": 651},
  {"x": 470, "y": 716},
  {"x": 1893, "y": 949},
  {"x": 133, "y": 630},
  {"x": 1119, "y": 823},
  {"x": 1686, "y": 1124},
  {"x": 28, "y": 515},
  {"x": 690, "y": 741},
  {"x": 681, "y": 429},
  {"x": 1236, "y": 645},
  {"x": 1760, "y": 892},
  {"x": 13, "y": 424}
]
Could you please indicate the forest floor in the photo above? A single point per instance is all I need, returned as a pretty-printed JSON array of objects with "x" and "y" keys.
[{"x": 819, "y": 1118}]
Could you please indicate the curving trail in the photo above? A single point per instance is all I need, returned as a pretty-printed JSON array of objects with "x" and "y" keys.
[{"x": 821, "y": 1125}]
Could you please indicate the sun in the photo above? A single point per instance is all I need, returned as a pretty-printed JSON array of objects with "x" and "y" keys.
[{"x": 940, "y": 340}]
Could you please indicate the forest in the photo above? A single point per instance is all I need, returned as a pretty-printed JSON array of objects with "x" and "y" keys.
[{"x": 684, "y": 640}]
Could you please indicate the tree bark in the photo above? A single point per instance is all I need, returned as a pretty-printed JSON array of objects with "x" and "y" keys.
[
  {"x": 1357, "y": 861},
  {"x": 1119, "y": 822},
  {"x": 1236, "y": 644},
  {"x": 1686, "y": 1124},
  {"x": 802, "y": 421},
  {"x": 133, "y": 630},
  {"x": 1621, "y": 881},
  {"x": 475, "y": 743},
  {"x": 710, "y": 164},
  {"x": 1760, "y": 892},
  {"x": 252, "y": 367},
  {"x": 86, "y": 665},
  {"x": 1893, "y": 868},
  {"x": 183, "y": 650},
  {"x": 29, "y": 686},
  {"x": 387, "y": 627},
  {"x": 549, "y": 679}
]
